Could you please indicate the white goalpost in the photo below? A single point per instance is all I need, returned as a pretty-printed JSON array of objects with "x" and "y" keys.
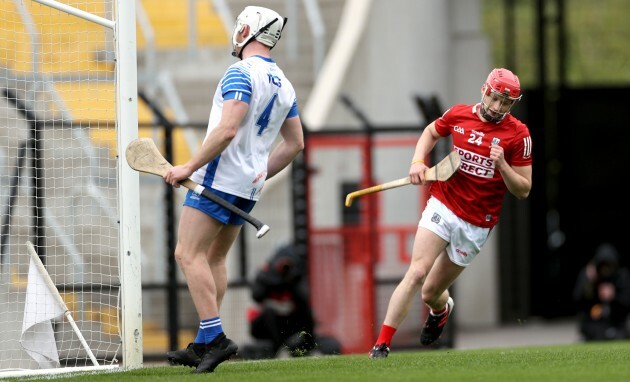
[{"x": 69, "y": 202}]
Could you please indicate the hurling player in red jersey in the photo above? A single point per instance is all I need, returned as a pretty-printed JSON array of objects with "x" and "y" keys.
[{"x": 496, "y": 152}]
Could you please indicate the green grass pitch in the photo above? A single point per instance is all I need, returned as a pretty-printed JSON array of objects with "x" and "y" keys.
[{"x": 589, "y": 362}]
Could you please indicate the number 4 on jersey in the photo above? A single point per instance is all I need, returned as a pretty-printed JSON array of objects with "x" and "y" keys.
[{"x": 263, "y": 121}]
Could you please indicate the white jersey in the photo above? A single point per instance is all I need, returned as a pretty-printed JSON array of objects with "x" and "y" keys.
[{"x": 241, "y": 168}]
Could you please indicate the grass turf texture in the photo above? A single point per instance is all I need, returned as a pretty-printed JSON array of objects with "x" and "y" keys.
[{"x": 590, "y": 362}]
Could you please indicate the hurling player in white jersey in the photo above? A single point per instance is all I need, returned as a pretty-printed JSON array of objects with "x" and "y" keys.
[
  {"x": 496, "y": 152},
  {"x": 253, "y": 103}
]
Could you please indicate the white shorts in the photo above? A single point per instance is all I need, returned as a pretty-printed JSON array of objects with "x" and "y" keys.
[{"x": 465, "y": 240}]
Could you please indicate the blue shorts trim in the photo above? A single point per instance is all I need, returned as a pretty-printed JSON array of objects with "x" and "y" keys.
[{"x": 217, "y": 212}]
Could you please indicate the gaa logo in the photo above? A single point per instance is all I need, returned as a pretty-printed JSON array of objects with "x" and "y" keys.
[{"x": 436, "y": 218}]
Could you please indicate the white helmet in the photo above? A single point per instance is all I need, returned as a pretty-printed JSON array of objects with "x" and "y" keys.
[{"x": 265, "y": 25}]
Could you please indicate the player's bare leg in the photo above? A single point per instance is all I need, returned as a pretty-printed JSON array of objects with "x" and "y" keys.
[
  {"x": 435, "y": 294},
  {"x": 442, "y": 276},
  {"x": 427, "y": 246},
  {"x": 196, "y": 233},
  {"x": 220, "y": 348},
  {"x": 202, "y": 247},
  {"x": 217, "y": 255}
]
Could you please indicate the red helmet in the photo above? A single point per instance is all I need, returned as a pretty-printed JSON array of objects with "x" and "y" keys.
[
  {"x": 502, "y": 85},
  {"x": 505, "y": 82}
]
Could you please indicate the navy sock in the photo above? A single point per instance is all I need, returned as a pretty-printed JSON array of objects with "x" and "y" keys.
[{"x": 208, "y": 330}]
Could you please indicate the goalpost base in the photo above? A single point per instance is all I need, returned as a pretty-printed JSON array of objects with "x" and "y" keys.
[{"x": 13, "y": 373}]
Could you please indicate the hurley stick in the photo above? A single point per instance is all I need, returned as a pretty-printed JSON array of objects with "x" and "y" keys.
[
  {"x": 442, "y": 172},
  {"x": 142, "y": 155}
]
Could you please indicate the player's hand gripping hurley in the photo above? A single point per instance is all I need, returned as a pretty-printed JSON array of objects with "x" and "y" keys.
[
  {"x": 142, "y": 155},
  {"x": 442, "y": 171}
]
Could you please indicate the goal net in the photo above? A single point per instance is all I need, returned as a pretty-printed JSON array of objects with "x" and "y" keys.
[{"x": 64, "y": 188}]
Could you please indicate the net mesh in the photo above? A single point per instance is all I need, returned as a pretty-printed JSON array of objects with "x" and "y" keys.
[{"x": 58, "y": 177}]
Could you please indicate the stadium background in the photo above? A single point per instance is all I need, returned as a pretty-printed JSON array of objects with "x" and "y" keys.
[
  {"x": 412, "y": 59},
  {"x": 363, "y": 101}
]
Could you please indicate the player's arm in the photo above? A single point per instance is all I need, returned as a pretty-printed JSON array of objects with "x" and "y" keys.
[
  {"x": 425, "y": 144},
  {"x": 219, "y": 138},
  {"x": 518, "y": 179},
  {"x": 290, "y": 146}
]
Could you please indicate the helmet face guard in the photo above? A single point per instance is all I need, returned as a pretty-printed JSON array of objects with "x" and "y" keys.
[
  {"x": 265, "y": 26},
  {"x": 500, "y": 92}
]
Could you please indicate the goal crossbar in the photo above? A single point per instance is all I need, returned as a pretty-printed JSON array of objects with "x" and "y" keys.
[{"x": 79, "y": 13}]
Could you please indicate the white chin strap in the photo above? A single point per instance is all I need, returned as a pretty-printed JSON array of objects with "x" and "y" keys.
[{"x": 237, "y": 45}]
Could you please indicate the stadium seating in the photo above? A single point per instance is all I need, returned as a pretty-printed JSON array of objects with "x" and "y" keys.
[{"x": 169, "y": 19}]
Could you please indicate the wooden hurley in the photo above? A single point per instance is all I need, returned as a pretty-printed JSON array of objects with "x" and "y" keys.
[
  {"x": 442, "y": 172},
  {"x": 142, "y": 155}
]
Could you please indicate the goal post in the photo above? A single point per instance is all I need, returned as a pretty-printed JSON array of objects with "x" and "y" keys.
[
  {"x": 68, "y": 109},
  {"x": 129, "y": 186}
]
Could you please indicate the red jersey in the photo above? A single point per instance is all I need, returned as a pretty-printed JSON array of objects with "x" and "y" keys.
[{"x": 475, "y": 192}]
